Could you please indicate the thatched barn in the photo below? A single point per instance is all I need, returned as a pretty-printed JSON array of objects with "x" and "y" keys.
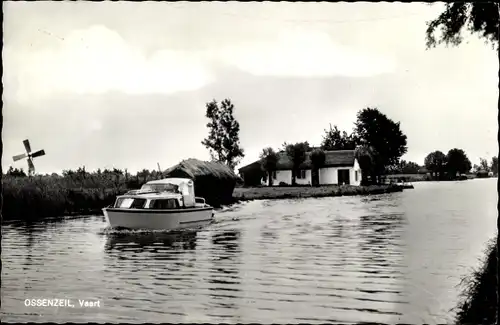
[
  {"x": 213, "y": 181},
  {"x": 253, "y": 174}
]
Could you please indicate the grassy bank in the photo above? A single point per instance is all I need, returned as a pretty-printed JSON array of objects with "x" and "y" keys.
[
  {"x": 478, "y": 303},
  {"x": 262, "y": 193}
]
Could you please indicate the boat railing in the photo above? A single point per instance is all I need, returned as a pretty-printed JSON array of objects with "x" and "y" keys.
[
  {"x": 140, "y": 192},
  {"x": 199, "y": 200}
]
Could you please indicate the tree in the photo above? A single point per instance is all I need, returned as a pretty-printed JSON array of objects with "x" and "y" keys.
[
  {"x": 366, "y": 157},
  {"x": 376, "y": 130},
  {"x": 483, "y": 165},
  {"x": 269, "y": 160},
  {"x": 494, "y": 165},
  {"x": 223, "y": 140},
  {"x": 336, "y": 140},
  {"x": 405, "y": 167},
  {"x": 144, "y": 175},
  {"x": 477, "y": 17},
  {"x": 435, "y": 162},
  {"x": 297, "y": 154},
  {"x": 318, "y": 159},
  {"x": 457, "y": 162}
]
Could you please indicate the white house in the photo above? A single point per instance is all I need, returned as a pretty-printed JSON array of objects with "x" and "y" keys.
[{"x": 340, "y": 167}]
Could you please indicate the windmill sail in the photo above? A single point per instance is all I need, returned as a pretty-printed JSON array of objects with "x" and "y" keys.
[
  {"x": 27, "y": 145},
  {"x": 19, "y": 157},
  {"x": 38, "y": 153}
]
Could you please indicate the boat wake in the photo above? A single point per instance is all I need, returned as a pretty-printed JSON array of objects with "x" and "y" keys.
[{"x": 126, "y": 231}]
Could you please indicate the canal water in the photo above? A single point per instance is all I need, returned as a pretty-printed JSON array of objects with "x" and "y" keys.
[{"x": 386, "y": 258}]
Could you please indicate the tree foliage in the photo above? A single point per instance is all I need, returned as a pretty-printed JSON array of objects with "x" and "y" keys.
[
  {"x": 435, "y": 162},
  {"x": 333, "y": 139},
  {"x": 405, "y": 167},
  {"x": 269, "y": 160},
  {"x": 479, "y": 18},
  {"x": 483, "y": 165},
  {"x": 494, "y": 165},
  {"x": 223, "y": 138},
  {"x": 297, "y": 154},
  {"x": 15, "y": 172},
  {"x": 376, "y": 130},
  {"x": 318, "y": 158},
  {"x": 457, "y": 162}
]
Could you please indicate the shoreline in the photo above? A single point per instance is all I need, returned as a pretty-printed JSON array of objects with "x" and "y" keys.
[{"x": 241, "y": 194}]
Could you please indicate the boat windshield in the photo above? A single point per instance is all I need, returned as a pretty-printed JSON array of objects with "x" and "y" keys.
[
  {"x": 161, "y": 187},
  {"x": 130, "y": 203}
]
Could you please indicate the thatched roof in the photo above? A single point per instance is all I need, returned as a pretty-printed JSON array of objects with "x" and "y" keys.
[
  {"x": 333, "y": 158},
  {"x": 193, "y": 168},
  {"x": 253, "y": 166}
]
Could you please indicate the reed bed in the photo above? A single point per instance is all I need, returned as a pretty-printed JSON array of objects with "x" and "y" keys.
[
  {"x": 478, "y": 299},
  {"x": 40, "y": 197}
]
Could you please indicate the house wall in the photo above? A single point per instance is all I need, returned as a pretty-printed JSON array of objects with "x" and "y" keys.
[
  {"x": 303, "y": 181},
  {"x": 284, "y": 176},
  {"x": 329, "y": 175},
  {"x": 352, "y": 173}
]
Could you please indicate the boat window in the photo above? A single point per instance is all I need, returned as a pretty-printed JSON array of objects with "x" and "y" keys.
[
  {"x": 164, "y": 204},
  {"x": 130, "y": 203},
  {"x": 138, "y": 204},
  {"x": 123, "y": 202},
  {"x": 160, "y": 187}
]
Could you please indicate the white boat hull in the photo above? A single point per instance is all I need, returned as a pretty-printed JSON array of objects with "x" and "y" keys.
[{"x": 158, "y": 219}]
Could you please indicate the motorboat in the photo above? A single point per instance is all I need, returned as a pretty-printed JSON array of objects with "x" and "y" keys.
[{"x": 164, "y": 204}]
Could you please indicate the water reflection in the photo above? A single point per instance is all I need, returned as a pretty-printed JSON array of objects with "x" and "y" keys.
[{"x": 125, "y": 241}]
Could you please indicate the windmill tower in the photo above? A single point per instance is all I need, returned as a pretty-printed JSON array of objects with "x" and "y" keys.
[
  {"x": 30, "y": 156},
  {"x": 159, "y": 171}
]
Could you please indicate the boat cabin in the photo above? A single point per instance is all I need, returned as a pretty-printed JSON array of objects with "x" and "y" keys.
[{"x": 168, "y": 193}]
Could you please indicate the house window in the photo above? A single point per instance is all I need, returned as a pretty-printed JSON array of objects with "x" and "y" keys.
[
  {"x": 301, "y": 174},
  {"x": 274, "y": 174},
  {"x": 356, "y": 176}
]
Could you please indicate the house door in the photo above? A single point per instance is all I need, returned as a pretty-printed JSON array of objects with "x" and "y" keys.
[{"x": 343, "y": 176}]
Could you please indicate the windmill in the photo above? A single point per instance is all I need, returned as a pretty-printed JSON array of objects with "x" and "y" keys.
[{"x": 30, "y": 156}]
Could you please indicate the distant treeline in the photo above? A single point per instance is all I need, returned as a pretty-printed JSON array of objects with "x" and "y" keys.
[
  {"x": 448, "y": 166},
  {"x": 74, "y": 192}
]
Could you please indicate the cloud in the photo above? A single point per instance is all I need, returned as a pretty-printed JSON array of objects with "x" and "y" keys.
[
  {"x": 98, "y": 60},
  {"x": 305, "y": 53}
]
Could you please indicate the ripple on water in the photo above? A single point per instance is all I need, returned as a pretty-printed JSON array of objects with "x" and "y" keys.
[{"x": 335, "y": 260}]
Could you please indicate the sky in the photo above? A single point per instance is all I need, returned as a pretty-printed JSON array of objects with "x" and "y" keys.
[{"x": 124, "y": 84}]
